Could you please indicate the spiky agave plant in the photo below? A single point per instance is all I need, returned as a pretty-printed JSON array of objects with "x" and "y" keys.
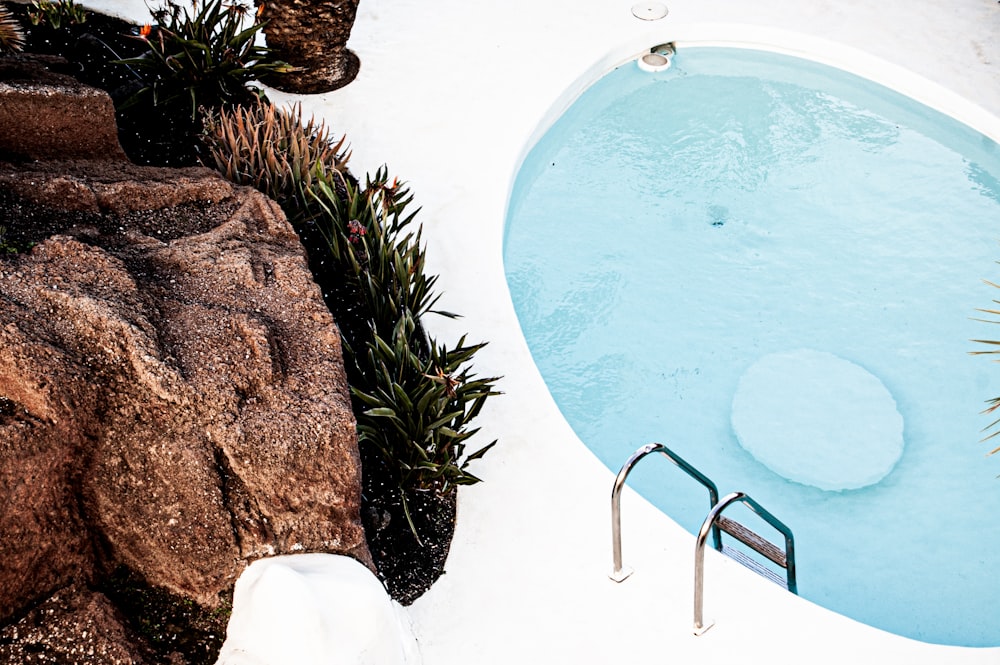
[
  {"x": 275, "y": 151},
  {"x": 993, "y": 405},
  {"x": 56, "y": 15},
  {"x": 11, "y": 35}
]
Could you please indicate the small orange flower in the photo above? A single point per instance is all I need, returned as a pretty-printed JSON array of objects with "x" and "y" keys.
[
  {"x": 260, "y": 9},
  {"x": 449, "y": 382},
  {"x": 145, "y": 31}
]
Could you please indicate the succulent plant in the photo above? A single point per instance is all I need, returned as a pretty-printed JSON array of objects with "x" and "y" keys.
[
  {"x": 415, "y": 398},
  {"x": 275, "y": 151},
  {"x": 57, "y": 14},
  {"x": 11, "y": 35},
  {"x": 203, "y": 57}
]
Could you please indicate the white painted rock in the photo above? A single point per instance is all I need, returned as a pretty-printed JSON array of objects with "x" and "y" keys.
[
  {"x": 315, "y": 609},
  {"x": 818, "y": 419}
]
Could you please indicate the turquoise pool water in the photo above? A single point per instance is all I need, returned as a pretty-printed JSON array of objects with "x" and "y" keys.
[{"x": 674, "y": 230}]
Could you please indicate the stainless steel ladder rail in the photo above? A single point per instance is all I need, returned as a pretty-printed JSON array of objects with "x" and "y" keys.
[
  {"x": 618, "y": 574},
  {"x": 715, "y": 521}
]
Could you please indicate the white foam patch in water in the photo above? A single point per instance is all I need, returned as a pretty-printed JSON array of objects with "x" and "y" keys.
[{"x": 817, "y": 419}]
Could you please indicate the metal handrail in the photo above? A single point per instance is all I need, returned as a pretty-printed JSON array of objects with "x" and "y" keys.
[
  {"x": 617, "y": 573},
  {"x": 710, "y": 525}
]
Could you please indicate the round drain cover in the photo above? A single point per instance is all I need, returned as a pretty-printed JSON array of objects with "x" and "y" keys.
[{"x": 649, "y": 11}]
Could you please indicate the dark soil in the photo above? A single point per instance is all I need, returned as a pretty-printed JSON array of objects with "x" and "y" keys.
[{"x": 409, "y": 559}]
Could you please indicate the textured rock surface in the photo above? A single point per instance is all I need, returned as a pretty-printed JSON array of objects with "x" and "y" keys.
[
  {"x": 172, "y": 395},
  {"x": 42, "y": 113},
  {"x": 73, "y": 626}
]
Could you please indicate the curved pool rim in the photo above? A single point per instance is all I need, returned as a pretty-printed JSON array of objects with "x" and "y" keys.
[
  {"x": 846, "y": 58},
  {"x": 808, "y": 47}
]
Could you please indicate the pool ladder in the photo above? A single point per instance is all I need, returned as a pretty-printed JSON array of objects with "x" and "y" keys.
[{"x": 715, "y": 523}]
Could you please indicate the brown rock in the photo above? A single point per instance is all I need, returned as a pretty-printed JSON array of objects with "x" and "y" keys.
[
  {"x": 48, "y": 115},
  {"x": 172, "y": 393},
  {"x": 99, "y": 186},
  {"x": 73, "y": 626}
]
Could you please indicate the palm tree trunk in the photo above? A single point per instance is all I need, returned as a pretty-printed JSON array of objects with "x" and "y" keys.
[{"x": 312, "y": 35}]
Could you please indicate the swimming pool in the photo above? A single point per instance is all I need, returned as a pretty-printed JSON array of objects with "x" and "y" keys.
[{"x": 673, "y": 231}]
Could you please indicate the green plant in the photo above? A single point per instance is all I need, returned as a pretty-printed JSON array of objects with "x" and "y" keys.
[
  {"x": 203, "y": 57},
  {"x": 419, "y": 408},
  {"x": 276, "y": 152},
  {"x": 11, "y": 36},
  {"x": 415, "y": 398},
  {"x": 368, "y": 230},
  {"x": 56, "y": 14}
]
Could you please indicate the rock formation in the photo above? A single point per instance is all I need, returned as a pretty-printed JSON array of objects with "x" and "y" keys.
[
  {"x": 172, "y": 394},
  {"x": 74, "y": 625},
  {"x": 44, "y": 111}
]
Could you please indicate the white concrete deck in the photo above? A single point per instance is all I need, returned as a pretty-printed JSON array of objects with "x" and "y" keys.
[{"x": 451, "y": 95}]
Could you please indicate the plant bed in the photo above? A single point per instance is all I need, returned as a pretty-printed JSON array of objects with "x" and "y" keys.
[
  {"x": 410, "y": 476},
  {"x": 92, "y": 43},
  {"x": 407, "y": 566}
]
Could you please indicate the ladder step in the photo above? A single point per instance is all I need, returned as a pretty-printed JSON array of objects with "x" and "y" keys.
[
  {"x": 752, "y": 540},
  {"x": 755, "y": 566}
]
